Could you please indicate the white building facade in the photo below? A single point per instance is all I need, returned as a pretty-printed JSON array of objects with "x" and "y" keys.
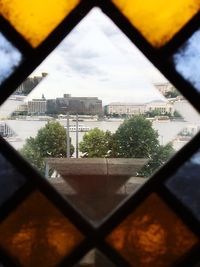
[
  {"x": 125, "y": 108},
  {"x": 37, "y": 106},
  {"x": 131, "y": 109},
  {"x": 162, "y": 107}
]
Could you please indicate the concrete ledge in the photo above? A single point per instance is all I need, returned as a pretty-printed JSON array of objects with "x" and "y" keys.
[
  {"x": 96, "y": 166},
  {"x": 124, "y": 167}
]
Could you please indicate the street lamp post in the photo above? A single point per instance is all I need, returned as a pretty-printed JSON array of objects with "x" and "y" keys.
[
  {"x": 68, "y": 137},
  {"x": 76, "y": 135},
  {"x": 66, "y": 109}
]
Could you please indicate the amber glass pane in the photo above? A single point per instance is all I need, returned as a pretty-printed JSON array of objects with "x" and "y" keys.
[
  {"x": 35, "y": 19},
  {"x": 152, "y": 235},
  {"x": 158, "y": 20},
  {"x": 37, "y": 233}
]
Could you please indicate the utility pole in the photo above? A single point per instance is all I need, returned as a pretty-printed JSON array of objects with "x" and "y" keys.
[
  {"x": 77, "y": 136},
  {"x": 68, "y": 137}
]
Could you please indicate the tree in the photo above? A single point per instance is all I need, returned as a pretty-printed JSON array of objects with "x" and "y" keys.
[
  {"x": 161, "y": 155},
  {"x": 96, "y": 144},
  {"x": 177, "y": 114},
  {"x": 50, "y": 141},
  {"x": 172, "y": 93},
  {"x": 135, "y": 138}
]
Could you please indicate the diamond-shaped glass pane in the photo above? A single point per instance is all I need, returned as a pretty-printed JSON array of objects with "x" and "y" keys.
[
  {"x": 94, "y": 259},
  {"x": 10, "y": 58},
  {"x": 152, "y": 235},
  {"x": 122, "y": 128},
  {"x": 35, "y": 19},
  {"x": 187, "y": 58},
  {"x": 36, "y": 233},
  {"x": 185, "y": 184},
  {"x": 10, "y": 179},
  {"x": 158, "y": 20}
]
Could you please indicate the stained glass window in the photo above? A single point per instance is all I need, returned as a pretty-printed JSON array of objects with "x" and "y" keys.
[{"x": 39, "y": 224}]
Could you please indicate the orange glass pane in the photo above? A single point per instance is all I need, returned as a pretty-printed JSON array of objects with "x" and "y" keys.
[
  {"x": 158, "y": 20},
  {"x": 35, "y": 19},
  {"x": 37, "y": 233},
  {"x": 152, "y": 235}
]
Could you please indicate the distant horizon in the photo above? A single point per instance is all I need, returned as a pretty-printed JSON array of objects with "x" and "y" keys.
[{"x": 113, "y": 102}]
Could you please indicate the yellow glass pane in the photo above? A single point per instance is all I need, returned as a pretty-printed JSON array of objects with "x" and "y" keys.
[
  {"x": 152, "y": 235},
  {"x": 35, "y": 19},
  {"x": 36, "y": 233},
  {"x": 158, "y": 20}
]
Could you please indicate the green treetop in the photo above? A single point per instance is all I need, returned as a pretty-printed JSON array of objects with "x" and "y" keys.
[
  {"x": 96, "y": 144},
  {"x": 50, "y": 141},
  {"x": 135, "y": 138}
]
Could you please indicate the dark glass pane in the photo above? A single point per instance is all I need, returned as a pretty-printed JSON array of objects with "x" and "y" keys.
[
  {"x": 36, "y": 233},
  {"x": 185, "y": 184},
  {"x": 187, "y": 60},
  {"x": 10, "y": 179},
  {"x": 10, "y": 58},
  {"x": 152, "y": 235},
  {"x": 94, "y": 259}
]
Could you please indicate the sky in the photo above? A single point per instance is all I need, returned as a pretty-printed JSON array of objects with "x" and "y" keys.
[{"x": 97, "y": 59}]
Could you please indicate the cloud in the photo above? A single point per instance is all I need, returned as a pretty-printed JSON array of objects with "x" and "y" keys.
[{"x": 97, "y": 59}]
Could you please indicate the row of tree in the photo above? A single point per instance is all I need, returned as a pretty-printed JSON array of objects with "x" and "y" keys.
[{"x": 135, "y": 138}]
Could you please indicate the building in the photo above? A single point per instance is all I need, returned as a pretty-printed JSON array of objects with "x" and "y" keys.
[
  {"x": 5, "y": 130},
  {"x": 124, "y": 108},
  {"x": 162, "y": 107},
  {"x": 163, "y": 88},
  {"x": 75, "y": 105},
  {"x": 31, "y": 82},
  {"x": 22, "y": 108},
  {"x": 37, "y": 106},
  {"x": 131, "y": 109}
]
